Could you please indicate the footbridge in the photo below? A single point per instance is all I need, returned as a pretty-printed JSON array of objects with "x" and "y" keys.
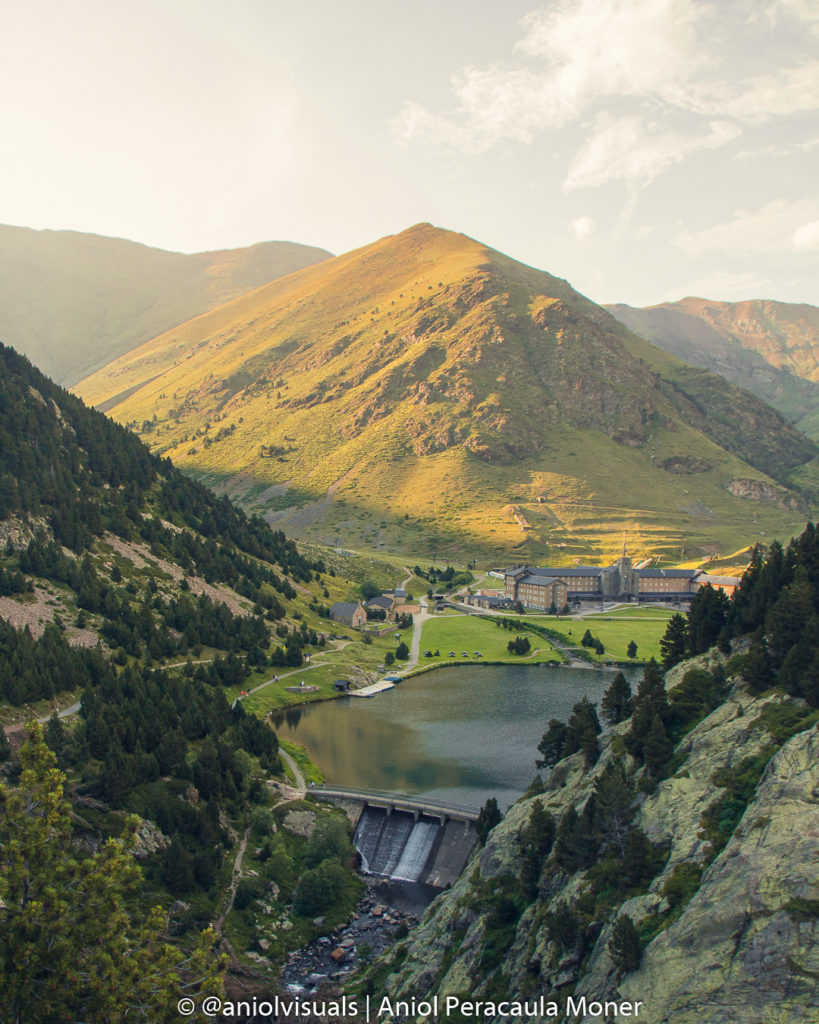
[{"x": 406, "y": 837}]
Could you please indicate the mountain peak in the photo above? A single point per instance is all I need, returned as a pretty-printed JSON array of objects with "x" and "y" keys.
[{"x": 426, "y": 375}]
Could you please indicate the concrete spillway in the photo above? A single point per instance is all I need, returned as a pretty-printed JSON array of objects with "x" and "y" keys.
[{"x": 413, "y": 847}]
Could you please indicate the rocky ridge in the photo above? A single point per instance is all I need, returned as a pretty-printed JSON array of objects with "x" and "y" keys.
[{"x": 743, "y": 949}]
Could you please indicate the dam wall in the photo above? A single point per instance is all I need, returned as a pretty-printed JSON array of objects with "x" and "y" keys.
[{"x": 409, "y": 839}]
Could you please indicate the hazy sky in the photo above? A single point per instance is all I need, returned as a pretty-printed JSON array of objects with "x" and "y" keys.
[{"x": 642, "y": 149}]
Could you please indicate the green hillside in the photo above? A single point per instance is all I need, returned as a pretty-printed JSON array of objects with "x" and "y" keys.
[
  {"x": 141, "y": 606},
  {"x": 426, "y": 394},
  {"x": 72, "y": 302}
]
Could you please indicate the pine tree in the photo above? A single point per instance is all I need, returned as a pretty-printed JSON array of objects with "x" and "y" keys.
[
  {"x": 488, "y": 817},
  {"x": 552, "y": 744},
  {"x": 674, "y": 643},
  {"x": 657, "y": 747},
  {"x": 68, "y": 949},
  {"x": 625, "y": 945},
  {"x": 616, "y": 702}
]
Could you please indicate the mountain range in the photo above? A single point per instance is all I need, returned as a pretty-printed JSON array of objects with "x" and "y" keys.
[
  {"x": 428, "y": 394},
  {"x": 72, "y": 302},
  {"x": 770, "y": 348}
]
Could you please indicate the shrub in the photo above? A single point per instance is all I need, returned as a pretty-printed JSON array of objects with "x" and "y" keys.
[{"x": 625, "y": 945}]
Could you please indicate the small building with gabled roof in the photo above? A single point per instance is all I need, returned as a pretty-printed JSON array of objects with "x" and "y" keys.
[{"x": 351, "y": 613}]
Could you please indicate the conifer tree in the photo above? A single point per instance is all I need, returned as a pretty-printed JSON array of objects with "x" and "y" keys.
[
  {"x": 625, "y": 945},
  {"x": 488, "y": 817},
  {"x": 674, "y": 643},
  {"x": 616, "y": 702},
  {"x": 68, "y": 949}
]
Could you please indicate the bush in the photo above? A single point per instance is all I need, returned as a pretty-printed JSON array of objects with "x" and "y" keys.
[
  {"x": 329, "y": 839},
  {"x": 248, "y": 890},
  {"x": 625, "y": 945},
  {"x": 320, "y": 889},
  {"x": 682, "y": 883}
]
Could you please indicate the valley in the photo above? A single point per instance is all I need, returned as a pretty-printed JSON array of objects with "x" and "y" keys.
[{"x": 419, "y": 415}]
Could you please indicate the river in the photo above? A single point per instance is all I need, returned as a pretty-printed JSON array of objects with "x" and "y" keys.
[{"x": 458, "y": 735}]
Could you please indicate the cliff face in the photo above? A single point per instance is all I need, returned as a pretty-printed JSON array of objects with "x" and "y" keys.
[
  {"x": 770, "y": 348},
  {"x": 738, "y": 945}
]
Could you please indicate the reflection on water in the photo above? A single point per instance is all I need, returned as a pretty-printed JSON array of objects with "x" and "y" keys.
[{"x": 459, "y": 734}]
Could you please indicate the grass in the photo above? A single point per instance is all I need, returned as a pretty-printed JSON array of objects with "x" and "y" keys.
[
  {"x": 477, "y": 633},
  {"x": 309, "y": 770},
  {"x": 616, "y": 634}
]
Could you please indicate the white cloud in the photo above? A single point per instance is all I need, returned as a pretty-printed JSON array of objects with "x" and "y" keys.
[
  {"x": 807, "y": 236},
  {"x": 805, "y": 11},
  {"x": 758, "y": 99},
  {"x": 613, "y": 47},
  {"x": 628, "y": 150},
  {"x": 593, "y": 49},
  {"x": 779, "y": 226},
  {"x": 703, "y": 69},
  {"x": 582, "y": 228}
]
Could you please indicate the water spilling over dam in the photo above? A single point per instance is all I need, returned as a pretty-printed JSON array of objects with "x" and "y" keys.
[
  {"x": 400, "y": 845},
  {"x": 407, "y": 839}
]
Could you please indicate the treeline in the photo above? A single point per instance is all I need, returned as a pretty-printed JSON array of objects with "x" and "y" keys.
[
  {"x": 170, "y": 748},
  {"x": 601, "y": 839},
  {"x": 658, "y": 719},
  {"x": 450, "y": 578},
  {"x": 777, "y": 604},
  {"x": 86, "y": 474}
]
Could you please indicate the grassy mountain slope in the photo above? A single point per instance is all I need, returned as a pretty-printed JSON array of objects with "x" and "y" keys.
[
  {"x": 428, "y": 394},
  {"x": 770, "y": 348},
  {"x": 72, "y": 301}
]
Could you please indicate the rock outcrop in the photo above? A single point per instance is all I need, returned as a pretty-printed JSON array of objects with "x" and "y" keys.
[{"x": 739, "y": 948}]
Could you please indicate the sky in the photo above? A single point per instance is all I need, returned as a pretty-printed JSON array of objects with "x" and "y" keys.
[{"x": 644, "y": 150}]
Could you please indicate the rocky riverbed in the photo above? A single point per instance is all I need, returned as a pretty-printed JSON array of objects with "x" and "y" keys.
[{"x": 385, "y": 907}]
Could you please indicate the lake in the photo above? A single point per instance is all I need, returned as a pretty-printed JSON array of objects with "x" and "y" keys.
[{"x": 459, "y": 735}]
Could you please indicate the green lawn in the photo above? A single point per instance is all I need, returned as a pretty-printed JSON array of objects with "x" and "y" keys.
[
  {"x": 634, "y": 612},
  {"x": 476, "y": 633},
  {"x": 616, "y": 634},
  {"x": 328, "y": 665}
]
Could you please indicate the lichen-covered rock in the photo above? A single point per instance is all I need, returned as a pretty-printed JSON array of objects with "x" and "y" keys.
[
  {"x": 747, "y": 947},
  {"x": 148, "y": 840},
  {"x": 300, "y": 823},
  {"x": 742, "y": 950}
]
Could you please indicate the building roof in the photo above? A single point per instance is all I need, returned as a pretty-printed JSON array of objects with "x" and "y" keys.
[
  {"x": 720, "y": 581},
  {"x": 379, "y": 602},
  {"x": 539, "y": 581},
  {"x": 344, "y": 607},
  {"x": 668, "y": 574},
  {"x": 492, "y": 602},
  {"x": 557, "y": 571}
]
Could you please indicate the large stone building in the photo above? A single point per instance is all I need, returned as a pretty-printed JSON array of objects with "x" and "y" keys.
[{"x": 536, "y": 588}]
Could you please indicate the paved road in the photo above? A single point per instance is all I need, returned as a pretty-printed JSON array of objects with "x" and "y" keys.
[{"x": 418, "y": 621}]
